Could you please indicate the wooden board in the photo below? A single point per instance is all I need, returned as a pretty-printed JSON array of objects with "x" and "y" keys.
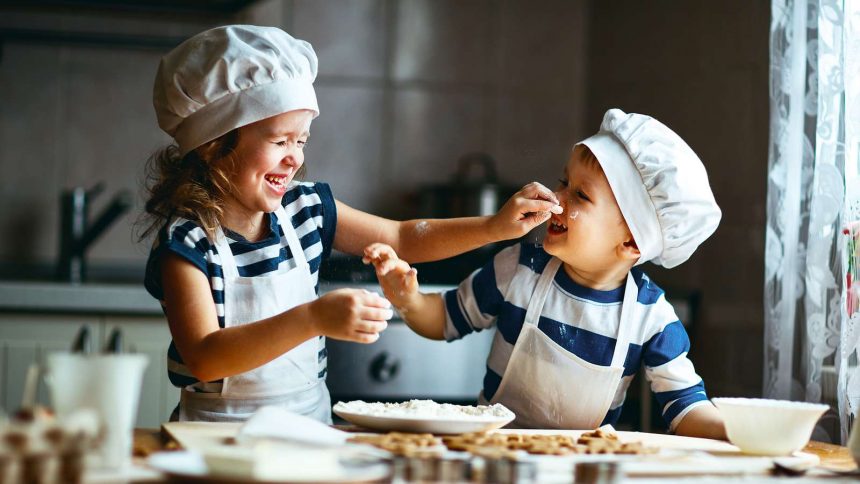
[
  {"x": 661, "y": 441},
  {"x": 200, "y": 435},
  {"x": 193, "y": 435},
  {"x": 679, "y": 456}
]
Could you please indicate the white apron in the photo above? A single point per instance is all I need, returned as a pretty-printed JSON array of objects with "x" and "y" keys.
[
  {"x": 291, "y": 380},
  {"x": 547, "y": 386}
]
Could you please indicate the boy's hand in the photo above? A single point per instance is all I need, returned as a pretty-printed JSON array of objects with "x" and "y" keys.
[
  {"x": 525, "y": 210},
  {"x": 351, "y": 315},
  {"x": 399, "y": 281}
]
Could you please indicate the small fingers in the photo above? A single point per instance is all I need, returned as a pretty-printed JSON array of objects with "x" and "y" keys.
[
  {"x": 386, "y": 266},
  {"x": 368, "y": 331},
  {"x": 535, "y": 218},
  {"x": 372, "y": 299},
  {"x": 378, "y": 251},
  {"x": 365, "y": 338},
  {"x": 535, "y": 190},
  {"x": 410, "y": 279},
  {"x": 370, "y": 326},
  {"x": 532, "y": 205},
  {"x": 375, "y": 315}
]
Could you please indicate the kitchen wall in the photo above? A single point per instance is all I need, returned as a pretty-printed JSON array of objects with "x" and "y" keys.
[
  {"x": 74, "y": 114},
  {"x": 702, "y": 68},
  {"x": 405, "y": 88}
]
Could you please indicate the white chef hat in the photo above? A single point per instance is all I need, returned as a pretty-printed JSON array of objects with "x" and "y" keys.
[
  {"x": 227, "y": 77},
  {"x": 660, "y": 184}
]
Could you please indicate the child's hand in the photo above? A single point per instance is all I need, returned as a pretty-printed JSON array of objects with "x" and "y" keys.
[
  {"x": 351, "y": 315},
  {"x": 399, "y": 281},
  {"x": 525, "y": 210}
]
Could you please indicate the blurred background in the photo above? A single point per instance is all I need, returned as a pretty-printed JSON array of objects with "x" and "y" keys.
[{"x": 406, "y": 89}]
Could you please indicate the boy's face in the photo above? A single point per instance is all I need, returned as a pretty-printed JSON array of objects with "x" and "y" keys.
[{"x": 591, "y": 234}]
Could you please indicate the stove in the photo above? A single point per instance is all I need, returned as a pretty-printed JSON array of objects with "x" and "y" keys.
[{"x": 402, "y": 365}]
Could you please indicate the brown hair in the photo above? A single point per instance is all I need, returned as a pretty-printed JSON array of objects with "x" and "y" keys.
[
  {"x": 589, "y": 158},
  {"x": 193, "y": 186}
]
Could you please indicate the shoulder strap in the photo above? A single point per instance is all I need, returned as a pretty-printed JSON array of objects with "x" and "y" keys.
[
  {"x": 541, "y": 290},
  {"x": 626, "y": 323}
]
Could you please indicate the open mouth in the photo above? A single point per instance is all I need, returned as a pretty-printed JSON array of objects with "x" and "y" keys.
[
  {"x": 278, "y": 182},
  {"x": 556, "y": 228}
]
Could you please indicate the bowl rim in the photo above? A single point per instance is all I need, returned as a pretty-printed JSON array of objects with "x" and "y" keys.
[{"x": 769, "y": 403}]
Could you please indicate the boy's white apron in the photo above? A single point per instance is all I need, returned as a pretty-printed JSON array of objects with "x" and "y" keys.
[
  {"x": 291, "y": 380},
  {"x": 547, "y": 386}
]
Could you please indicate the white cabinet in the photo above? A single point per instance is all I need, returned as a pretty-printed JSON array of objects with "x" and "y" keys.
[
  {"x": 150, "y": 336},
  {"x": 26, "y": 338}
]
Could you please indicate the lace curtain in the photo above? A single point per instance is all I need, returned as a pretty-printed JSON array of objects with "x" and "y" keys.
[{"x": 813, "y": 202}]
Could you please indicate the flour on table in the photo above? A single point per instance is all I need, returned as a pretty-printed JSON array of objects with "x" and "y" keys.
[{"x": 424, "y": 409}]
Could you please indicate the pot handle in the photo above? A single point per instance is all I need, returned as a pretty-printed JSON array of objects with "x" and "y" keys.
[{"x": 467, "y": 164}]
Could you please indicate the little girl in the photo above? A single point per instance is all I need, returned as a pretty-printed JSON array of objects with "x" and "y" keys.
[{"x": 236, "y": 260}]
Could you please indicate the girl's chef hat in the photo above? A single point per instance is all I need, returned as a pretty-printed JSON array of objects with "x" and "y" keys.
[
  {"x": 660, "y": 184},
  {"x": 231, "y": 76}
]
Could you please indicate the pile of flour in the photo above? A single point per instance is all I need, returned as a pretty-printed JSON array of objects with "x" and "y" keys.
[{"x": 425, "y": 409}]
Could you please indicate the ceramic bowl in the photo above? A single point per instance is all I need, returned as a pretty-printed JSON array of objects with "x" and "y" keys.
[{"x": 769, "y": 427}]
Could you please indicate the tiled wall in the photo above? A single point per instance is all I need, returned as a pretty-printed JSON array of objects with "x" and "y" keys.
[
  {"x": 702, "y": 68},
  {"x": 405, "y": 88},
  {"x": 74, "y": 115}
]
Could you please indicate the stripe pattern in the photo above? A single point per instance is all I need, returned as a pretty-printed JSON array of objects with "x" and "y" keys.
[
  {"x": 582, "y": 320},
  {"x": 312, "y": 213}
]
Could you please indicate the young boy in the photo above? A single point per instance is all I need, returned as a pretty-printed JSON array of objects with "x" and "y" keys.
[{"x": 570, "y": 341}]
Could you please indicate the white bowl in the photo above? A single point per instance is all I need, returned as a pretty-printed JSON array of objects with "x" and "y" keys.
[{"x": 769, "y": 427}]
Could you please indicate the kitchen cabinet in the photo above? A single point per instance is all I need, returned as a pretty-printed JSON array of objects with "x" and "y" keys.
[
  {"x": 149, "y": 336},
  {"x": 27, "y": 338}
]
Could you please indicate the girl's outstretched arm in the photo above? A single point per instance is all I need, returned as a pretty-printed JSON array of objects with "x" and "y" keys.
[{"x": 433, "y": 239}]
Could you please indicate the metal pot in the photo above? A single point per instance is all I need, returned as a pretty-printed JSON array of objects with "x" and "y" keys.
[{"x": 474, "y": 189}]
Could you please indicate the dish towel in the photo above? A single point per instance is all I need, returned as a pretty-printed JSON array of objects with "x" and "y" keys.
[{"x": 281, "y": 424}]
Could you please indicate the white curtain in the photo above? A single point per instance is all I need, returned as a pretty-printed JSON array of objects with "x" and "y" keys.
[{"x": 811, "y": 318}]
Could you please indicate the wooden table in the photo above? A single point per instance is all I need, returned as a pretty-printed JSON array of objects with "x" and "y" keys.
[
  {"x": 147, "y": 441},
  {"x": 832, "y": 456}
]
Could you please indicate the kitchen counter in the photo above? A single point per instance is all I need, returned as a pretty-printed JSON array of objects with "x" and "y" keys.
[
  {"x": 147, "y": 441},
  {"x": 100, "y": 298},
  {"x": 93, "y": 298}
]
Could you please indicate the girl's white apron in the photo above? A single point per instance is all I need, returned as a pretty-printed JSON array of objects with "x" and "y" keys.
[
  {"x": 547, "y": 386},
  {"x": 291, "y": 380}
]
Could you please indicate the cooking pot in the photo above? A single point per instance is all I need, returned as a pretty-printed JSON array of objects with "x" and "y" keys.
[{"x": 474, "y": 189}]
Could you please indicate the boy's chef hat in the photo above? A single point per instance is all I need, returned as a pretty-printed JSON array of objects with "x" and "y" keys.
[
  {"x": 231, "y": 76},
  {"x": 660, "y": 184}
]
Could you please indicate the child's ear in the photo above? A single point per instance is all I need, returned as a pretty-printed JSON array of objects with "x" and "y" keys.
[{"x": 629, "y": 249}]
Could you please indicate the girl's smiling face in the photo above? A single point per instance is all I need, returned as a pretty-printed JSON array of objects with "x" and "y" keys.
[
  {"x": 269, "y": 153},
  {"x": 590, "y": 235}
]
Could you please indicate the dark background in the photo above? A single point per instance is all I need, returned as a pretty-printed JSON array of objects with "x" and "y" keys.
[{"x": 406, "y": 88}]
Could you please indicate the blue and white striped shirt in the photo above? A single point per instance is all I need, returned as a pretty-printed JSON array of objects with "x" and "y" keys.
[
  {"x": 582, "y": 320},
  {"x": 312, "y": 212}
]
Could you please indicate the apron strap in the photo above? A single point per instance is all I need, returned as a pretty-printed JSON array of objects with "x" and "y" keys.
[
  {"x": 626, "y": 325},
  {"x": 625, "y": 322},
  {"x": 228, "y": 261},
  {"x": 541, "y": 291},
  {"x": 291, "y": 236}
]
